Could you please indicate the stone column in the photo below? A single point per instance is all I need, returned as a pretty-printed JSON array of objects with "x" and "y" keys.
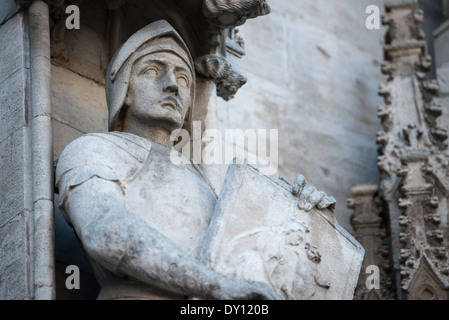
[
  {"x": 41, "y": 150},
  {"x": 369, "y": 230}
]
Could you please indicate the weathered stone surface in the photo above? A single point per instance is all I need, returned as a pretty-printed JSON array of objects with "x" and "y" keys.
[
  {"x": 301, "y": 80},
  {"x": 12, "y": 104},
  {"x": 441, "y": 36},
  {"x": 15, "y": 198},
  {"x": 7, "y": 9},
  {"x": 15, "y": 267},
  {"x": 443, "y": 80},
  {"x": 13, "y": 47},
  {"x": 63, "y": 135},
  {"x": 12, "y": 77},
  {"x": 82, "y": 51},
  {"x": 78, "y": 102},
  {"x": 441, "y": 43},
  {"x": 14, "y": 171}
]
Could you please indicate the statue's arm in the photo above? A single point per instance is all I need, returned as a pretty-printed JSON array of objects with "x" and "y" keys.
[{"x": 126, "y": 245}]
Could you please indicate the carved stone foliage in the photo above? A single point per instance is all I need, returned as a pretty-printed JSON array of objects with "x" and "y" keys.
[
  {"x": 413, "y": 158},
  {"x": 222, "y": 73},
  {"x": 232, "y": 13},
  {"x": 369, "y": 230}
]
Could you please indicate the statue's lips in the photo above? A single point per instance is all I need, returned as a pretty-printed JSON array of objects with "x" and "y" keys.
[{"x": 171, "y": 103}]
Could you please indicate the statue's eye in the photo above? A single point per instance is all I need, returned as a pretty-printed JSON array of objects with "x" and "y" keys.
[
  {"x": 151, "y": 72},
  {"x": 183, "y": 80}
]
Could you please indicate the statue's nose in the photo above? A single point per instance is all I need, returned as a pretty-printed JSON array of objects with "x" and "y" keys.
[{"x": 170, "y": 84}]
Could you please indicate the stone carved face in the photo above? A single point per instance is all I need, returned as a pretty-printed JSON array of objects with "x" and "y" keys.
[{"x": 160, "y": 89}]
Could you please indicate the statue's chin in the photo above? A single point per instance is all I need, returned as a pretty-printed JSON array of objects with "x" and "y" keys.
[{"x": 167, "y": 122}]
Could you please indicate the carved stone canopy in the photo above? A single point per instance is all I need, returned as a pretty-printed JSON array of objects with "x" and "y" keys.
[
  {"x": 232, "y": 13},
  {"x": 203, "y": 24}
]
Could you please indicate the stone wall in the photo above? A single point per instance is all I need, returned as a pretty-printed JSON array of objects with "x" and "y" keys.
[
  {"x": 313, "y": 71},
  {"x": 441, "y": 36},
  {"x": 15, "y": 199}
]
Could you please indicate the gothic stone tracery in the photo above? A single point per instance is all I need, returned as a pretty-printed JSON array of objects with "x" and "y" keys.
[{"x": 413, "y": 161}]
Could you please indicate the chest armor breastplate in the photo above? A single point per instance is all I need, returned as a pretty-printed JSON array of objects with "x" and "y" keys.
[{"x": 173, "y": 199}]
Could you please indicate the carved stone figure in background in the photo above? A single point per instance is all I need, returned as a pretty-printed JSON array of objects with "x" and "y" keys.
[{"x": 142, "y": 219}]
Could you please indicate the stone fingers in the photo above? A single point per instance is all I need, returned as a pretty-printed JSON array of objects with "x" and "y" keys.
[
  {"x": 327, "y": 203},
  {"x": 309, "y": 198},
  {"x": 298, "y": 185}
]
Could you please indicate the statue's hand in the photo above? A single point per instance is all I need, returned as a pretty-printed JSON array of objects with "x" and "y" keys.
[
  {"x": 246, "y": 290},
  {"x": 309, "y": 197}
]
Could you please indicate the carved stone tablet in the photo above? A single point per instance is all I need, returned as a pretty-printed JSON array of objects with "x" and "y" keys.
[{"x": 258, "y": 233}]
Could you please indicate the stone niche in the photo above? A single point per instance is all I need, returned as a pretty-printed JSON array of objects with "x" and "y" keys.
[
  {"x": 79, "y": 62},
  {"x": 79, "y": 59}
]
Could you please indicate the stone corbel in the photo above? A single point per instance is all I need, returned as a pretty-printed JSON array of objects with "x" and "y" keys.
[
  {"x": 57, "y": 30},
  {"x": 365, "y": 206},
  {"x": 231, "y": 13},
  {"x": 217, "y": 68}
]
